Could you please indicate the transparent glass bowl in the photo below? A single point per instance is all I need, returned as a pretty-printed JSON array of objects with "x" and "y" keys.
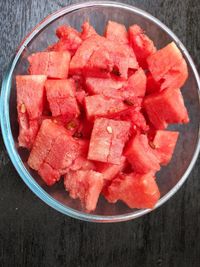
[{"x": 170, "y": 178}]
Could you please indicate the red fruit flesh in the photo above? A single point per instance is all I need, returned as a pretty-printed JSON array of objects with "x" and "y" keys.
[
  {"x": 85, "y": 185},
  {"x": 52, "y": 64},
  {"x": 142, "y": 45},
  {"x": 166, "y": 107},
  {"x": 108, "y": 140},
  {"x": 141, "y": 156},
  {"x": 116, "y": 32},
  {"x": 61, "y": 98},
  {"x": 165, "y": 142},
  {"x": 136, "y": 190},
  {"x": 30, "y": 101}
]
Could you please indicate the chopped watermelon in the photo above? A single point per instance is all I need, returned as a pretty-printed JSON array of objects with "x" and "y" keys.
[
  {"x": 70, "y": 40},
  {"x": 165, "y": 142},
  {"x": 61, "y": 98},
  {"x": 30, "y": 100},
  {"x": 102, "y": 128},
  {"x": 99, "y": 106},
  {"x": 166, "y": 107},
  {"x": 141, "y": 44},
  {"x": 137, "y": 83},
  {"x": 116, "y": 32},
  {"x": 97, "y": 86},
  {"x": 136, "y": 190},
  {"x": 87, "y": 30},
  {"x": 85, "y": 185},
  {"x": 53, "y": 152},
  {"x": 106, "y": 56},
  {"x": 131, "y": 114},
  {"x": 152, "y": 86},
  {"x": 64, "y": 31},
  {"x": 108, "y": 170},
  {"x": 168, "y": 66},
  {"x": 108, "y": 140},
  {"x": 141, "y": 156},
  {"x": 52, "y": 64},
  {"x": 83, "y": 53}
]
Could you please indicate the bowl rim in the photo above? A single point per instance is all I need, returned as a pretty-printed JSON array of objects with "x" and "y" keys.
[{"x": 9, "y": 141}]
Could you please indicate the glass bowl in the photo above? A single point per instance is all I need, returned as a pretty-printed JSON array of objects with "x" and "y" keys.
[{"x": 170, "y": 178}]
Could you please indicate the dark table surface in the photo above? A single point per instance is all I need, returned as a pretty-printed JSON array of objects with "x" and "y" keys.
[{"x": 33, "y": 234}]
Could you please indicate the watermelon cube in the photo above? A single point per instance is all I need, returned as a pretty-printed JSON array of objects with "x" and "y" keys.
[
  {"x": 142, "y": 45},
  {"x": 30, "y": 101},
  {"x": 166, "y": 107},
  {"x": 136, "y": 190},
  {"x": 85, "y": 185},
  {"x": 61, "y": 98},
  {"x": 137, "y": 83},
  {"x": 53, "y": 152},
  {"x": 165, "y": 142},
  {"x": 152, "y": 86},
  {"x": 141, "y": 156},
  {"x": 52, "y": 64},
  {"x": 97, "y": 86},
  {"x": 107, "y": 140},
  {"x": 98, "y": 106},
  {"x": 99, "y": 64},
  {"x": 131, "y": 114},
  {"x": 116, "y": 32},
  {"x": 108, "y": 170},
  {"x": 70, "y": 40},
  {"x": 168, "y": 66},
  {"x": 64, "y": 31},
  {"x": 83, "y": 53},
  {"x": 87, "y": 30}
]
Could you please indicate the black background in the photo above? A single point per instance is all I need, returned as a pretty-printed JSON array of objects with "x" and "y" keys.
[{"x": 33, "y": 234}]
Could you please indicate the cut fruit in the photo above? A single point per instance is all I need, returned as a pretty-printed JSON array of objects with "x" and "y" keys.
[
  {"x": 52, "y": 64},
  {"x": 166, "y": 107},
  {"x": 152, "y": 86},
  {"x": 85, "y": 185},
  {"x": 87, "y": 31},
  {"x": 30, "y": 103},
  {"x": 165, "y": 142},
  {"x": 97, "y": 86},
  {"x": 53, "y": 152},
  {"x": 136, "y": 190},
  {"x": 142, "y": 45},
  {"x": 141, "y": 156},
  {"x": 99, "y": 106},
  {"x": 61, "y": 98},
  {"x": 137, "y": 83},
  {"x": 109, "y": 171},
  {"x": 108, "y": 140},
  {"x": 168, "y": 66},
  {"x": 116, "y": 32}
]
